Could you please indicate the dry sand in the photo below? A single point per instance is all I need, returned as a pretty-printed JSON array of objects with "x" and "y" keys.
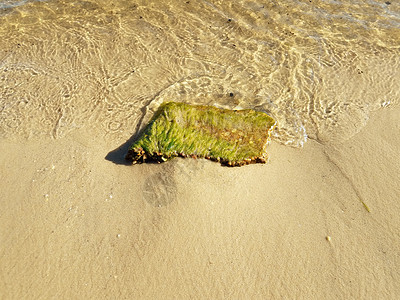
[{"x": 75, "y": 225}]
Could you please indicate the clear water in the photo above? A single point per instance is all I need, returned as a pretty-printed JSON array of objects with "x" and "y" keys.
[{"x": 319, "y": 67}]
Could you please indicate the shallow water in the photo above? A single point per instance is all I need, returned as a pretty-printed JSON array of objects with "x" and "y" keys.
[{"x": 318, "y": 67}]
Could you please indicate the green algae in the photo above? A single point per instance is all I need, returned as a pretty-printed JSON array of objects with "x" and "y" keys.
[{"x": 231, "y": 137}]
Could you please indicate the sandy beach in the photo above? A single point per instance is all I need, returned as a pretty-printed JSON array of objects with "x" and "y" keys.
[
  {"x": 320, "y": 220},
  {"x": 75, "y": 225}
]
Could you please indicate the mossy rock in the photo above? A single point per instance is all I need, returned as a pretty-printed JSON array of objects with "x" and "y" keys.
[{"x": 231, "y": 137}]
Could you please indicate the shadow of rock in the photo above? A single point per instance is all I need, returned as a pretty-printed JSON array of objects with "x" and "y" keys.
[{"x": 117, "y": 156}]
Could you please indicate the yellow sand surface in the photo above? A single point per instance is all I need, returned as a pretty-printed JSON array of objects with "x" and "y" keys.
[{"x": 75, "y": 224}]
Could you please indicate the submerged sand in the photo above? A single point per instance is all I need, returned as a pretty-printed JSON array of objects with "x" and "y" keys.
[{"x": 75, "y": 225}]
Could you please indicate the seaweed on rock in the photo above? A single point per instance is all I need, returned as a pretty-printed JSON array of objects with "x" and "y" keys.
[{"x": 231, "y": 137}]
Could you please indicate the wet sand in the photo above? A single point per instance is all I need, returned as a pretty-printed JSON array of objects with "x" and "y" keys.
[{"x": 75, "y": 225}]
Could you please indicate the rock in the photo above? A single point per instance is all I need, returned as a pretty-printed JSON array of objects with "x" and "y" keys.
[{"x": 231, "y": 137}]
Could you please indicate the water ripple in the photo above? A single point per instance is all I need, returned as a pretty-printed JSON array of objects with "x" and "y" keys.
[{"x": 318, "y": 68}]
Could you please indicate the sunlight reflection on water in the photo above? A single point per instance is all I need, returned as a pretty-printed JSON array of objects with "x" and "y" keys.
[{"x": 318, "y": 67}]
